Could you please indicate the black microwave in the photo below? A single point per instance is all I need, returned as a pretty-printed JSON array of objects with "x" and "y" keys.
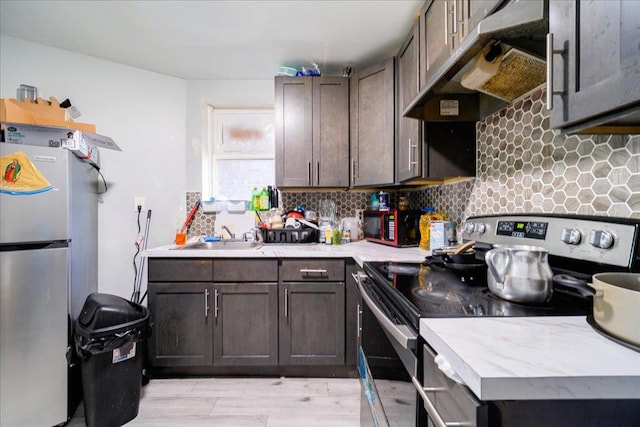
[{"x": 392, "y": 227}]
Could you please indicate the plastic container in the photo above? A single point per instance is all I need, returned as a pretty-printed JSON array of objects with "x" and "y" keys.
[
  {"x": 110, "y": 338},
  {"x": 429, "y": 214}
]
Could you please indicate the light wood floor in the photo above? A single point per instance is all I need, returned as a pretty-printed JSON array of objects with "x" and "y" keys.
[{"x": 247, "y": 402}]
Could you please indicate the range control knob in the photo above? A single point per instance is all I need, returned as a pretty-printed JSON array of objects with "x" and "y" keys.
[
  {"x": 571, "y": 236},
  {"x": 479, "y": 228},
  {"x": 468, "y": 227},
  {"x": 601, "y": 239}
]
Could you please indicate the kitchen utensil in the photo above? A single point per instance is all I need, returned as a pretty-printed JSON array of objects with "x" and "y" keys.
[
  {"x": 464, "y": 247},
  {"x": 192, "y": 213},
  {"x": 308, "y": 223},
  {"x": 616, "y": 298},
  {"x": 520, "y": 273}
]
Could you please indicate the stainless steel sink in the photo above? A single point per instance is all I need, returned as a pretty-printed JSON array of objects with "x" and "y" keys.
[{"x": 222, "y": 245}]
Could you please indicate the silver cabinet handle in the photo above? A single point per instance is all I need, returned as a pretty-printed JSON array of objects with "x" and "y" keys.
[
  {"x": 318, "y": 173},
  {"x": 215, "y": 303},
  {"x": 455, "y": 16},
  {"x": 286, "y": 302},
  {"x": 309, "y": 177},
  {"x": 412, "y": 154},
  {"x": 206, "y": 303},
  {"x": 550, "y": 52},
  {"x": 358, "y": 314},
  {"x": 353, "y": 171},
  {"x": 312, "y": 270}
]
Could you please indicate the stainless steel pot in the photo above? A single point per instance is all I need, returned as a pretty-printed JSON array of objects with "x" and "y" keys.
[
  {"x": 616, "y": 303},
  {"x": 520, "y": 273}
]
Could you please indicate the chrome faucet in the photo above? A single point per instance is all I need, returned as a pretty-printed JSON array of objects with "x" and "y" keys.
[{"x": 225, "y": 228}]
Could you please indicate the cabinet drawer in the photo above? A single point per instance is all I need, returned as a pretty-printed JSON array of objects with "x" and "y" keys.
[
  {"x": 454, "y": 402},
  {"x": 313, "y": 270},
  {"x": 245, "y": 270},
  {"x": 180, "y": 270}
]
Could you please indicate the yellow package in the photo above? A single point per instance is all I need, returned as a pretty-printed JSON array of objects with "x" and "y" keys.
[{"x": 20, "y": 177}]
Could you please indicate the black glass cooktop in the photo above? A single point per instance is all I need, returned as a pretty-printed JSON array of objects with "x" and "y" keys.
[{"x": 419, "y": 290}]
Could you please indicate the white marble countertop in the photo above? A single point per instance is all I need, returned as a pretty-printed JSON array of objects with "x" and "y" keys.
[
  {"x": 520, "y": 358},
  {"x": 360, "y": 251}
]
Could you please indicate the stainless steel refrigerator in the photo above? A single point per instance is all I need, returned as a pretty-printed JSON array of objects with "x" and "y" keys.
[{"x": 48, "y": 266}]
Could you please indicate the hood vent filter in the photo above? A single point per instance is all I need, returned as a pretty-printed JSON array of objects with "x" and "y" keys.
[{"x": 505, "y": 72}]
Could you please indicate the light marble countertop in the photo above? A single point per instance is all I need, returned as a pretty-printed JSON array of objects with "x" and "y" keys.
[
  {"x": 520, "y": 358},
  {"x": 360, "y": 251}
]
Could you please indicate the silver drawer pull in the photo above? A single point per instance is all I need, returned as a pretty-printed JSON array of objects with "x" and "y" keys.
[{"x": 311, "y": 270}]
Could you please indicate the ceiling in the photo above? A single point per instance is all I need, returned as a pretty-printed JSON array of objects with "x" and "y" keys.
[{"x": 201, "y": 40}]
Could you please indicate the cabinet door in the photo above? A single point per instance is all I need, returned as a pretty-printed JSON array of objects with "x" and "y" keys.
[
  {"x": 450, "y": 150},
  {"x": 246, "y": 324},
  {"x": 435, "y": 37},
  {"x": 372, "y": 125},
  {"x": 294, "y": 131},
  {"x": 181, "y": 331},
  {"x": 330, "y": 132},
  {"x": 469, "y": 13},
  {"x": 598, "y": 73},
  {"x": 312, "y": 324},
  {"x": 408, "y": 142}
]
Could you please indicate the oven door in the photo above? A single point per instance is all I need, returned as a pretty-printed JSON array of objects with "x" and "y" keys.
[{"x": 389, "y": 397}]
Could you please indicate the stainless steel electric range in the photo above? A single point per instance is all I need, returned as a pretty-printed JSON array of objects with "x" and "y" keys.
[{"x": 397, "y": 295}]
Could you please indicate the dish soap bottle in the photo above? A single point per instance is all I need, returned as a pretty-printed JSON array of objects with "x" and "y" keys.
[
  {"x": 429, "y": 215},
  {"x": 264, "y": 200},
  {"x": 255, "y": 199}
]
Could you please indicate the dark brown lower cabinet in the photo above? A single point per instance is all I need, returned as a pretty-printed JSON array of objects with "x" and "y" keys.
[
  {"x": 182, "y": 324},
  {"x": 243, "y": 317},
  {"x": 312, "y": 323},
  {"x": 245, "y": 330}
]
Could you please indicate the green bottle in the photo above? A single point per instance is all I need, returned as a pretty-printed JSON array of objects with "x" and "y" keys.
[
  {"x": 255, "y": 199},
  {"x": 264, "y": 199}
]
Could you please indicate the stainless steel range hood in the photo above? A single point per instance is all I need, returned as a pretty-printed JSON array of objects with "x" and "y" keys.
[{"x": 519, "y": 24}]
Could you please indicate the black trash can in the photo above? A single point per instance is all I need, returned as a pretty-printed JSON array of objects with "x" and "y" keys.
[{"x": 110, "y": 337}]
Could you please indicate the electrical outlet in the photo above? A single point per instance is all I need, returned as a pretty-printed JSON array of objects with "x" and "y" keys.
[
  {"x": 138, "y": 201},
  {"x": 360, "y": 215}
]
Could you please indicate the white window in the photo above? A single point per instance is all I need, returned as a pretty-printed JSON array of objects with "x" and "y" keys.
[{"x": 242, "y": 152}]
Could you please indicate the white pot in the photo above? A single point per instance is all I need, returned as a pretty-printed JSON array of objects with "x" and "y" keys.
[{"x": 616, "y": 304}]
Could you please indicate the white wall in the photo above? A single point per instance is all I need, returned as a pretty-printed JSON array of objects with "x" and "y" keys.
[{"x": 144, "y": 113}]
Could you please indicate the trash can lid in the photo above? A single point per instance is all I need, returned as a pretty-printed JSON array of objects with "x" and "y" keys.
[{"x": 105, "y": 310}]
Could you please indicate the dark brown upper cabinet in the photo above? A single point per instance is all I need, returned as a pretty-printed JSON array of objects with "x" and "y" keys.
[
  {"x": 312, "y": 131},
  {"x": 372, "y": 119},
  {"x": 593, "y": 80}
]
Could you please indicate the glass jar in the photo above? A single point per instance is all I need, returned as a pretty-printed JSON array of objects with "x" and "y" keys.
[{"x": 403, "y": 203}]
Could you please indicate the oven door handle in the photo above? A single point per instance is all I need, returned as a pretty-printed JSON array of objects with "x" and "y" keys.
[
  {"x": 429, "y": 406},
  {"x": 402, "y": 334}
]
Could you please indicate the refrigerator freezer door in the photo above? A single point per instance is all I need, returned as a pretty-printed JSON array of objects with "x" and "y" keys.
[
  {"x": 38, "y": 217},
  {"x": 33, "y": 337}
]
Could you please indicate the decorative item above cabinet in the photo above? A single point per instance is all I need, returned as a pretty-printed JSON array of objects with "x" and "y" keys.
[
  {"x": 593, "y": 66},
  {"x": 312, "y": 132}
]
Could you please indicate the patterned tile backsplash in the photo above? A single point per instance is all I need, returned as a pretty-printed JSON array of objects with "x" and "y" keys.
[{"x": 523, "y": 167}]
